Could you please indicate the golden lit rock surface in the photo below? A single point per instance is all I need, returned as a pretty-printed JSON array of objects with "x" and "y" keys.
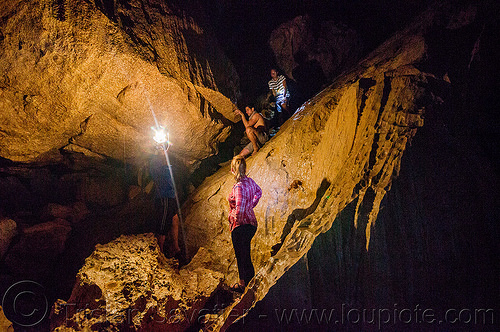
[
  {"x": 5, "y": 324},
  {"x": 345, "y": 144},
  {"x": 129, "y": 283},
  {"x": 87, "y": 78}
]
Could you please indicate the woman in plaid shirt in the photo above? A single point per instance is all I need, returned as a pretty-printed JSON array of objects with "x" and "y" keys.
[{"x": 243, "y": 198}]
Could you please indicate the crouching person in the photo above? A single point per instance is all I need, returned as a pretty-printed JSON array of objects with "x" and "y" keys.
[{"x": 255, "y": 128}]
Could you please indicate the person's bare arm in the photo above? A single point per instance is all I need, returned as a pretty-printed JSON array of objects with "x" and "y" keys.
[
  {"x": 252, "y": 121},
  {"x": 243, "y": 118},
  {"x": 247, "y": 123}
]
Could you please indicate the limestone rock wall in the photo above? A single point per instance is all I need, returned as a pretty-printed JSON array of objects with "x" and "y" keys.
[
  {"x": 345, "y": 143},
  {"x": 86, "y": 76},
  {"x": 339, "y": 153},
  {"x": 8, "y": 229},
  {"x": 331, "y": 164}
]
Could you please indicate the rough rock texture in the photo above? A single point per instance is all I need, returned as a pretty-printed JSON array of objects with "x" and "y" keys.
[
  {"x": 299, "y": 44},
  {"x": 330, "y": 165},
  {"x": 5, "y": 324},
  {"x": 8, "y": 229},
  {"x": 53, "y": 210},
  {"x": 339, "y": 153},
  {"x": 86, "y": 76},
  {"x": 129, "y": 284},
  {"x": 62, "y": 190},
  {"x": 104, "y": 191},
  {"x": 32, "y": 195},
  {"x": 79, "y": 212}
]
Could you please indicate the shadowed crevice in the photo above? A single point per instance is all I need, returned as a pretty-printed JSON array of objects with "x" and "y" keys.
[
  {"x": 299, "y": 214},
  {"x": 59, "y": 10},
  {"x": 385, "y": 96}
]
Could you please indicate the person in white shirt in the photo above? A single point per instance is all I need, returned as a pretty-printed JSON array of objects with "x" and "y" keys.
[{"x": 278, "y": 86}]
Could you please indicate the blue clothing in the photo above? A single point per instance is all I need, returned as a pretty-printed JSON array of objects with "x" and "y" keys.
[
  {"x": 160, "y": 173},
  {"x": 279, "y": 91}
]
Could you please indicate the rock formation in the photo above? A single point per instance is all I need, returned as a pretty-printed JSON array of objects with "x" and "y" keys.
[
  {"x": 341, "y": 149},
  {"x": 311, "y": 53},
  {"x": 300, "y": 42},
  {"x": 339, "y": 153},
  {"x": 329, "y": 167},
  {"x": 5, "y": 324},
  {"x": 86, "y": 76},
  {"x": 35, "y": 252},
  {"x": 8, "y": 229},
  {"x": 128, "y": 284}
]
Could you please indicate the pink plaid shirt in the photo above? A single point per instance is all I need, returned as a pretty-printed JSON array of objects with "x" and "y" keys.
[{"x": 244, "y": 197}]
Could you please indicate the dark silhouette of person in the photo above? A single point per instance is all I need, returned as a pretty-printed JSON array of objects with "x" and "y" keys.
[{"x": 165, "y": 202}]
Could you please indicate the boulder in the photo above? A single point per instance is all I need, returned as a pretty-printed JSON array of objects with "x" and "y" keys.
[
  {"x": 53, "y": 211},
  {"x": 96, "y": 78},
  {"x": 80, "y": 212},
  {"x": 129, "y": 284},
  {"x": 74, "y": 213}
]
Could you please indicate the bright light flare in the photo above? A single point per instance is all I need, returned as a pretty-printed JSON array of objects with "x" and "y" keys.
[{"x": 160, "y": 137}]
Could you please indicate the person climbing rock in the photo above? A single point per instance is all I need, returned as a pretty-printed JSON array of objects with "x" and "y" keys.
[
  {"x": 255, "y": 128},
  {"x": 243, "y": 198},
  {"x": 165, "y": 202},
  {"x": 278, "y": 87}
]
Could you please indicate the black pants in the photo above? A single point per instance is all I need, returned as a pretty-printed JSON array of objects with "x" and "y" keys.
[
  {"x": 242, "y": 236},
  {"x": 166, "y": 208}
]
